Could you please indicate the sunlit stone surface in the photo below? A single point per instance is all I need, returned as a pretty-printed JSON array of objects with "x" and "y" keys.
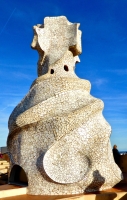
[{"x": 58, "y": 134}]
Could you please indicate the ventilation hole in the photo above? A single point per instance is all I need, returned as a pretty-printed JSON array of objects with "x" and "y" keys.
[
  {"x": 52, "y": 71},
  {"x": 66, "y": 68},
  {"x": 18, "y": 176}
]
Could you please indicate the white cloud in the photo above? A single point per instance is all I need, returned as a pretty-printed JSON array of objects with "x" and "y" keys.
[
  {"x": 118, "y": 71},
  {"x": 16, "y": 65},
  {"x": 99, "y": 82},
  {"x": 114, "y": 97},
  {"x": 119, "y": 121},
  {"x": 19, "y": 75},
  {"x": 5, "y": 24},
  {"x": 7, "y": 106}
]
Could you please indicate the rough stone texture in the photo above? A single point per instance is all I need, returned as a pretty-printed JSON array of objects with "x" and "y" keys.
[{"x": 58, "y": 134}]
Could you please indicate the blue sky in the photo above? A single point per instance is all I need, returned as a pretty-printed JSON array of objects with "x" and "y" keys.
[{"x": 103, "y": 60}]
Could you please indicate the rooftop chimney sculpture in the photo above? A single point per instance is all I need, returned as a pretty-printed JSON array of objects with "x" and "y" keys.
[{"x": 57, "y": 133}]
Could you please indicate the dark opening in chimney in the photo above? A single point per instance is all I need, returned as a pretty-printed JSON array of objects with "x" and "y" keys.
[{"x": 18, "y": 176}]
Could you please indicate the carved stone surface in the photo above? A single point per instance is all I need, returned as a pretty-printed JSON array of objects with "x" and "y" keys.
[{"x": 58, "y": 134}]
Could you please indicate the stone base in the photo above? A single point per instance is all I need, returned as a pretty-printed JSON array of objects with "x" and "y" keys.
[{"x": 19, "y": 193}]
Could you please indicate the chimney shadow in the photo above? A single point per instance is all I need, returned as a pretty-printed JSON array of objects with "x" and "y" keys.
[{"x": 96, "y": 184}]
